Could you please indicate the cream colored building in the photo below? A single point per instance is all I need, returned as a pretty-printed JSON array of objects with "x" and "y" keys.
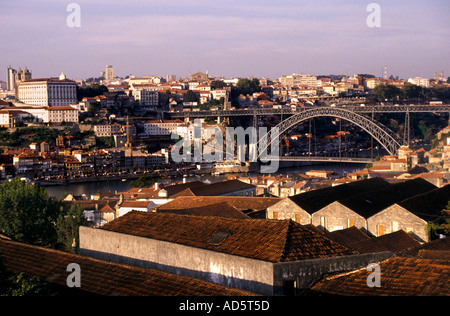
[
  {"x": 47, "y": 92},
  {"x": 59, "y": 114}
]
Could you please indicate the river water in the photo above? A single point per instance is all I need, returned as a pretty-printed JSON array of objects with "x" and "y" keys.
[{"x": 91, "y": 188}]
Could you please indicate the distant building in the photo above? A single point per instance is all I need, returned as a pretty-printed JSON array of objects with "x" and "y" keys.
[
  {"x": 419, "y": 81},
  {"x": 10, "y": 78},
  {"x": 47, "y": 92},
  {"x": 199, "y": 76},
  {"x": 146, "y": 98},
  {"x": 161, "y": 127},
  {"x": 299, "y": 80},
  {"x": 109, "y": 73},
  {"x": 59, "y": 114}
]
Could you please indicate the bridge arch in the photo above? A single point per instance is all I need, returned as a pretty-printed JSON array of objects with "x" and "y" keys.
[{"x": 381, "y": 133}]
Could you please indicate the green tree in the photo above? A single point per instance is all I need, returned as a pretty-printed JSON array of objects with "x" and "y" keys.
[
  {"x": 386, "y": 92},
  {"x": 411, "y": 91},
  {"x": 144, "y": 181},
  {"x": 436, "y": 228},
  {"x": 67, "y": 227},
  {"x": 190, "y": 97},
  {"x": 248, "y": 86},
  {"x": 27, "y": 213}
]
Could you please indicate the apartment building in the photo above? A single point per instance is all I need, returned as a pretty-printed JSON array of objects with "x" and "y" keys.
[
  {"x": 59, "y": 114},
  {"x": 107, "y": 130},
  {"x": 161, "y": 127},
  {"x": 299, "y": 80}
]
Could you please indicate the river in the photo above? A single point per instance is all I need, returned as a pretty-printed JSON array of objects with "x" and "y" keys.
[{"x": 91, "y": 188}]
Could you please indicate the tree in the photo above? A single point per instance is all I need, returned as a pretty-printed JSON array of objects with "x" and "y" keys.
[
  {"x": 386, "y": 91},
  {"x": 27, "y": 213},
  {"x": 190, "y": 97},
  {"x": 439, "y": 227},
  {"x": 411, "y": 91},
  {"x": 247, "y": 86},
  {"x": 67, "y": 227},
  {"x": 144, "y": 181}
]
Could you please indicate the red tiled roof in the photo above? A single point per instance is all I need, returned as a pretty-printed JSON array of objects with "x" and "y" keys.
[
  {"x": 241, "y": 203},
  {"x": 397, "y": 241},
  {"x": 100, "y": 277},
  {"x": 267, "y": 240},
  {"x": 400, "y": 276}
]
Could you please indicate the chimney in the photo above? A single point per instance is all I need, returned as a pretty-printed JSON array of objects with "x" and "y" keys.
[
  {"x": 156, "y": 186},
  {"x": 184, "y": 180}
]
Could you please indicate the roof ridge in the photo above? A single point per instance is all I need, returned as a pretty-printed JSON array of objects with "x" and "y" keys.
[{"x": 285, "y": 251}]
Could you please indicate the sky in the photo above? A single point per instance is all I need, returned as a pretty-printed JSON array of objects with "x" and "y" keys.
[{"x": 227, "y": 38}]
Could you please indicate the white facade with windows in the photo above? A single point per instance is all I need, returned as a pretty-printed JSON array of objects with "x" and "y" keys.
[{"x": 47, "y": 92}]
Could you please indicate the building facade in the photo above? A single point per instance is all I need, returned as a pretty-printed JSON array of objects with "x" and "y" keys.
[
  {"x": 47, "y": 92},
  {"x": 59, "y": 114}
]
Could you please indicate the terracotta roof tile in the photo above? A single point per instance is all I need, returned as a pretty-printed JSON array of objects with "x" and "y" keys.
[
  {"x": 397, "y": 241},
  {"x": 100, "y": 277},
  {"x": 267, "y": 240},
  {"x": 347, "y": 236},
  {"x": 400, "y": 276},
  {"x": 239, "y": 202},
  {"x": 222, "y": 209}
]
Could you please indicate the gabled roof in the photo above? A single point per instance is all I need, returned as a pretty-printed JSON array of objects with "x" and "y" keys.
[
  {"x": 239, "y": 202},
  {"x": 172, "y": 190},
  {"x": 100, "y": 277},
  {"x": 218, "y": 188},
  {"x": 347, "y": 236},
  {"x": 371, "y": 202},
  {"x": 314, "y": 200},
  {"x": 267, "y": 240},
  {"x": 221, "y": 209},
  {"x": 427, "y": 205},
  {"x": 397, "y": 241},
  {"x": 400, "y": 276},
  {"x": 438, "y": 245}
]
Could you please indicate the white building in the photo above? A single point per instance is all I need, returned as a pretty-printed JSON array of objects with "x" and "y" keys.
[
  {"x": 161, "y": 127},
  {"x": 59, "y": 114},
  {"x": 48, "y": 92},
  {"x": 107, "y": 130},
  {"x": 419, "y": 81},
  {"x": 299, "y": 80},
  {"x": 146, "y": 98}
]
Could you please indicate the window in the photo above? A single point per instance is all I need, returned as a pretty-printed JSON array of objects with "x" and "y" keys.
[
  {"x": 380, "y": 230},
  {"x": 323, "y": 222},
  {"x": 351, "y": 222},
  {"x": 395, "y": 226},
  {"x": 275, "y": 215},
  {"x": 297, "y": 218}
]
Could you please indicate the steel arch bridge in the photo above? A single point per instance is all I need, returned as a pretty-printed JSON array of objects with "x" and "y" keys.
[{"x": 388, "y": 139}]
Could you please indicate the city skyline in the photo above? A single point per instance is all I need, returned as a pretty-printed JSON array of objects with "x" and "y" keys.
[{"x": 226, "y": 38}]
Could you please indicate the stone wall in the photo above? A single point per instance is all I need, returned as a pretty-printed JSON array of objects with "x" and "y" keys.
[
  {"x": 286, "y": 209},
  {"x": 229, "y": 270},
  {"x": 337, "y": 216},
  {"x": 396, "y": 218}
]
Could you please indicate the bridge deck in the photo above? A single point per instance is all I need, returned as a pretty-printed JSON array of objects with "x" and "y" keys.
[
  {"x": 326, "y": 159},
  {"x": 357, "y": 109}
]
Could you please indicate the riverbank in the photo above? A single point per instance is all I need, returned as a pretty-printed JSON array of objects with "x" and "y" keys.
[
  {"x": 93, "y": 187},
  {"x": 160, "y": 174}
]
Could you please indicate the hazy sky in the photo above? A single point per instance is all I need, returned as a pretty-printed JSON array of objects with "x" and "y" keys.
[{"x": 226, "y": 37}]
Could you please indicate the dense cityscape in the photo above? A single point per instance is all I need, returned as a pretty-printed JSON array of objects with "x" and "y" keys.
[{"x": 302, "y": 184}]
